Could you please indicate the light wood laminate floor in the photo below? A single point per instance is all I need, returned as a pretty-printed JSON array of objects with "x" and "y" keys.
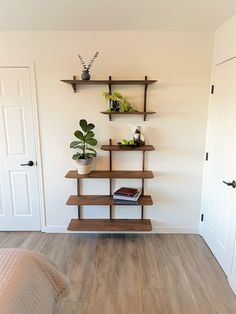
[{"x": 133, "y": 274}]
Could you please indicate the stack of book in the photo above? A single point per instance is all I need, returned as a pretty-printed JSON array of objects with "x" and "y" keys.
[{"x": 126, "y": 196}]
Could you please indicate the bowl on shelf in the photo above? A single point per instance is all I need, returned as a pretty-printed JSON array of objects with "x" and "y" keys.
[{"x": 127, "y": 145}]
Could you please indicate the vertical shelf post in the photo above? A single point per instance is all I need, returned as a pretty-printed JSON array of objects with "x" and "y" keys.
[
  {"x": 109, "y": 85},
  {"x": 78, "y": 193},
  {"x": 110, "y": 168},
  {"x": 145, "y": 100},
  {"x": 143, "y": 167}
]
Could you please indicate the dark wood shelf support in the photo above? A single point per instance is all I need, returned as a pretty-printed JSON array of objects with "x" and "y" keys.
[
  {"x": 145, "y": 100},
  {"x": 78, "y": 193},
  {"x": 110, "y": 168},
  {"x": 74, "y": 86},
  {"x": 110, "y": 91},
  {"x": 143, "y": 168}
]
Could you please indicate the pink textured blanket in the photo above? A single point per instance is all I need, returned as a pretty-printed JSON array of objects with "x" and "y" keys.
[{"x": 29, "y": 283}]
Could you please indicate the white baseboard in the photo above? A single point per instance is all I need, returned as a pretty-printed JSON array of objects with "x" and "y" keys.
[
  {"x": 232, "y": 284},
  {"x": 156, "y": 229}
]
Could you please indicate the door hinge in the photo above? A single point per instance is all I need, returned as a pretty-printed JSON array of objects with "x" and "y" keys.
[
  {"x": 206, "y": 158},
  {"x": 212, "y": 89},
  {"x": 202, "y": 217}
]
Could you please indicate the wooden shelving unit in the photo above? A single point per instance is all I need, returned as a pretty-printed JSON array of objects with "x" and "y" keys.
[
  {"x": 114, "y": 174},
  {"x": 123, "y": 149},
  {"x": 110, "y": 82},
  {"x": 111, "y": 224},
  {"x": 104, "y": 200}
]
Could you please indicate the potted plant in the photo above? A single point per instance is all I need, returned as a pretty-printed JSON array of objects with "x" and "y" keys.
[
  {"x": 118, "y": 102},
  {"x": 86, "y": 138}
]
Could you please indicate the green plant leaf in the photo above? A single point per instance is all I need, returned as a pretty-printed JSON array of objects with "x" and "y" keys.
[
  {"x": 92, "y": 141},
  {"x": 83, "y": 124},
  {"x": 76, "y": 144},
  {"x": 91, "y": 150},
  {"x": 79, "y": 135},
  {"x": 91, "y": 155},
  {"x": 118, "y": 95},
  {"x": 89, "y": 135},
  {"x": 77, "y": 156},
  {"x": 90, "y": 126}
]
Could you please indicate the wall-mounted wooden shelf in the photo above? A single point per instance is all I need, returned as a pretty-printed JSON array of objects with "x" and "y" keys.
[
  {"x": 110, "y": 82},
  {"x": 125, "y": 149},
  {"x": 142, "y": 113},
  {"x": 114, "y": 225},
  {"x": 75, "y": 83},
  {"x": 114, "y": 174},
  {"x": 105, "y": 200}
]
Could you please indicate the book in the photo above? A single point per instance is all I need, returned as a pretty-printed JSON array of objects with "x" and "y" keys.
[
  {"x": 126, "y": 191},
  {"x": 133, "y": 198},
  {"x": 124, "y": 202}
]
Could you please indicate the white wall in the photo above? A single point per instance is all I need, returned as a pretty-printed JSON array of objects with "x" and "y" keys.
[
  {"x": 179, "y": 60},
  {"x": 225, "y": 41}
]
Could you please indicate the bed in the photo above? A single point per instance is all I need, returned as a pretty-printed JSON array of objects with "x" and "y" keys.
[{"x": 29, "y": 283}]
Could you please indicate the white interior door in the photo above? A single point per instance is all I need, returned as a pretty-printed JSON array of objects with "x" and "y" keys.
[
  {"x": 19, "y": 193},
  {"x": 218, "y": 227}
]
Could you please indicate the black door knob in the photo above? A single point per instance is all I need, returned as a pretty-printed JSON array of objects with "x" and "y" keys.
[
  {"x": 233, "y": 183},
  {"x": 30, "y": 163}
]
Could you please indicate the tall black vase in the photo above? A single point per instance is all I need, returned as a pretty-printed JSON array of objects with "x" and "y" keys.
[{"x": 85, "y": 75}]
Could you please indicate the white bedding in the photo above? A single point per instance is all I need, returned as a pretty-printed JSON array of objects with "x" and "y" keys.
[{"x": 29, "y": 283}]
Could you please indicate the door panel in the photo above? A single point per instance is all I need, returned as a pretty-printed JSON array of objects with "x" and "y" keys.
[
  {"x": 219, "y": 224},
  {"x": 14, "y": 124},
  {"x": 19, "y": 208},
  {"x": 20, "y": 191}
]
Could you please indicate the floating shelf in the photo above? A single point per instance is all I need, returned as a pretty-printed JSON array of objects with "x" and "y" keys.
[
  {"x": 76, "y": 82},
  {"x": 144, "y": 114},
  {"x": 110, "y": 225},
  {"x": 125, "y": 149},
  {"x": 111, "y": 174},
  {"x": 105, "y": 200}
]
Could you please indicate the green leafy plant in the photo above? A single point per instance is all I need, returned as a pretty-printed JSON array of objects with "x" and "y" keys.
[
  {"x": 85, "y": 139},
  {"x": 123, "y": 103}
]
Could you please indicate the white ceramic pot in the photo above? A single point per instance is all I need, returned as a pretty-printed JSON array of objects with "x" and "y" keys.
[{"x": 84, "y": 166}]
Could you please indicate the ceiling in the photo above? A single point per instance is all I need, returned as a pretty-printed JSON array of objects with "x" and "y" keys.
[{"x": 46, "y": 15}]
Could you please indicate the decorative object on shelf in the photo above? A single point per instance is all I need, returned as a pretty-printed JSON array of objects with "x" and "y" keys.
[
  {"x": 118, "y": 102},
  {"x": 86, "y": 139},
  {"x": 126, "y": 195},
  {"x": 138, "y": 136},
  {"x": 127, "y": 143},
  {"x": 85, "y": 74}
]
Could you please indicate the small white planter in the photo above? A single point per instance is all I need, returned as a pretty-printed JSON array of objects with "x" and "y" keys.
[{"x": 84, "y": 166}]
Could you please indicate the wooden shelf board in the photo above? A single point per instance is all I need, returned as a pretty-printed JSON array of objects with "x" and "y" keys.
[
  {"x": 124, "y": 113},
  {"x": 104, "y": 200},
  {"x": 115, "y": 174},
  {"x": 111, "y": 82},
  {"x": 118, "y": 148},
  {"x": 110, "y": 225}
]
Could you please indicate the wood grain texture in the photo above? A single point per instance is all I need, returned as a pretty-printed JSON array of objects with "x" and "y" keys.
[
  {"x": 111, "y": 82},
  {"x": 133, "y": 274},
  {"x": 110, "y": 225},
  {"x": 104, "y": 200},
  {"x": 118, "y": 148},
  {"x": 114, "y": 174},
  {"x": 128, "y": 113}
]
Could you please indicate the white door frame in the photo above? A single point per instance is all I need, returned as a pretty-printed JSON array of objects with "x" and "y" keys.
[{"x": 31, "y": 66}]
